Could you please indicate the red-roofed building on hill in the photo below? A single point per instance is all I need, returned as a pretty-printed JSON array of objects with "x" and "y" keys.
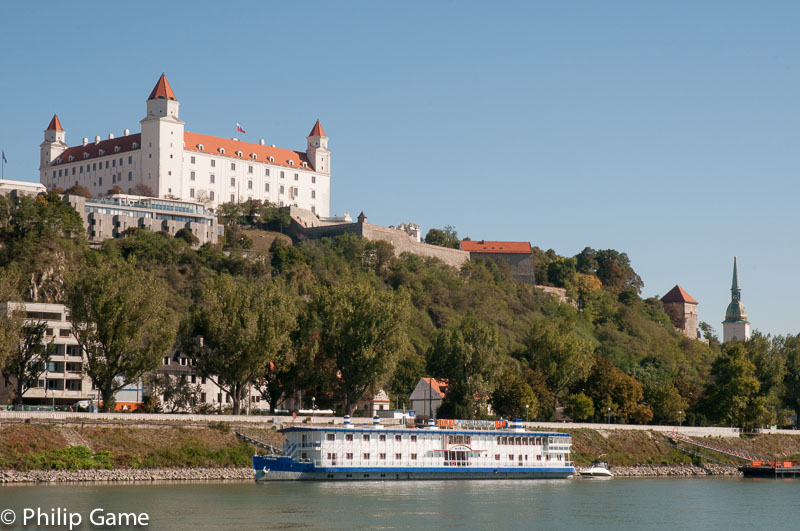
[
  {"x": 174, "y": 163},
  {"x": 518, "y": 255},
  {"x": 682, "y": 309}
]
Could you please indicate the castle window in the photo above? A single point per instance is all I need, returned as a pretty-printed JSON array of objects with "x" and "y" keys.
[
  {"x": 71, "y": 158},
  {"x": 59, "y": 172},
  {"x": 281, "y": 175},
  {"x": 272, "y": 159},
  {"x": 116, "y": 149},
  {"x": 106, "y": 164},
  {"x": 313, "y": 209},
  {"x": 130, "y": 175},
  {"x": 222, "y": 150},
  {"x": 212, "y": 178},
  {"x": 281, "y": 190},
  {"x": 213, "y": 163},
  {"x": 211, "y": 194},
  {"x": 73, "y": 170},
  {"x": 266, "y": 187},
  {"x": 100, "y": 181},
  {"x": 94, "y": 166},
  {"x": 85, "y": 155},
  {"x": 233, "y": 181},
  {"x": 191, "y": 175},
  {"x": 267, "y": 172},
  {"x": 191, "y": 159},
  {"x": 201, "y": 147},
  {"x": 296, "y": 177},
  {"x": 54, "y": 174},
  {"x": 305, "y": 164},
  {"x": 102, "y": 151},
  {"x": 232, "y": 198},
  {"x": 249, "y": 185},
  {"x": 254, "y": 156},
  {"x": 313, "y": 194},
  {"x": 81, "y": 169},
  {"x": 114, "y": 163},
  {"x": 238, "y": 153},
  {"x": 135, "y": 145},
  {"x": 191, "y": 192},
  {"x": 313, "y": 179},
  {"x": 249, "y": 169},
  {"x": 291, "y": 163},
  {"x": 233, "y": 165}
]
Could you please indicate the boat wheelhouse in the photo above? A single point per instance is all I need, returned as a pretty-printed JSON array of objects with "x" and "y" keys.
[{"x": 449, "y": 450}]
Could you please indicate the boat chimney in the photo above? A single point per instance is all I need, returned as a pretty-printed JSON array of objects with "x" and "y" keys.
[
  {"x": 516, "y": 425},
  {"x": 347, "y": 423},
  {"x": 376, "y": 421},
  {"x": 432, "y": 424}
]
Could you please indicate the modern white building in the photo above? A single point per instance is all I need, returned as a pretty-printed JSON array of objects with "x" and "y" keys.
[
  {"x": 166, "y": 161},
  {"x": 8, "y": 187},
  {"x": 735, "y": 327}
]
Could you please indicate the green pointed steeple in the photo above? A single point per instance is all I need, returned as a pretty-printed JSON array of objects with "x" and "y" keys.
[{"x": 735, "y": 312}]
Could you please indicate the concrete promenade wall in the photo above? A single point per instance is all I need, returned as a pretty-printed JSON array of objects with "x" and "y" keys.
[
  {"x": 694, "y": 431},
  {"x": 255, "y": 420},
  {"x": 181, "y": 418}
]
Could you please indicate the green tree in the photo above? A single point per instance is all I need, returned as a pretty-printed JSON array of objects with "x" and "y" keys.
[
  {"x": 362, "y": 330},
  {"x": 121, "y": 318},
  {"x": 444, "y": 238},
  {"x": 466, "y": 355},
  {"x": 513, "y": 397},
  {"x": 562, "y": 356},
  {"x": 237, "y": 328},
  {"x": 790, "y": 347},
  {"x": 668, "y": 406},
  {"x": 732, "y": 398},
  {"x": 580, "y": 407},
  {"x": 617, "y": 394}
]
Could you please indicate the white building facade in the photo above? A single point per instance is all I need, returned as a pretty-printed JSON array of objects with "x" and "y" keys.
[{"x": 170, "y": 162}]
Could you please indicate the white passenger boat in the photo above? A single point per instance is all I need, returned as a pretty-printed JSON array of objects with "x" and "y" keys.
[
  {"x": 447, "y": 450},
  {"x": 598, "y": 469}
]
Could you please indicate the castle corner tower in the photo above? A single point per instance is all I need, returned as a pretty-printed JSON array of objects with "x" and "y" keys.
[
  {"x": 54, "y": 143},
  {"x": 162, "y": 141},
  {"x": 735, "y": 327},
  {"x": 318, "y": 153}
]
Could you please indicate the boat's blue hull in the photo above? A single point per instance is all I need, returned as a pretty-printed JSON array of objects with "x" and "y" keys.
[{"x": 283, "y": 469}]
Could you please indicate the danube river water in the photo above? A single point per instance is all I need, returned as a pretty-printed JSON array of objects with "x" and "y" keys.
[{"x": 618, "y": 504}]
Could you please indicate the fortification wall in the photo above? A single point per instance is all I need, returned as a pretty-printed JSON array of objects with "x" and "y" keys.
[{"x": 403, "y": 243}]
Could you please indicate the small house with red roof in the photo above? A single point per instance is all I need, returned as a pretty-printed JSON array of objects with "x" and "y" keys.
[
  {"x": 682, "y": 309},
  {"x": 518, "y": 255},
  {"x": 427, "y": 396},
  {"x": 170, "y": 162}
]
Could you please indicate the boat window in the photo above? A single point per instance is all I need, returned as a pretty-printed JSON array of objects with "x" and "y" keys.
[
  {"x": 348, "y": 436},
  {"x": 366, "y": 455},
  {"x": 497, "y": 457},
  {"x": 381, "y": 456},
  {"x": 510, "y": 457},
  {"x": 366, "y": 436},
  {"x": 450, "y": 439},
  {"x": 413, "y": 438},
  {"x": 398, "y": 438},
  {"x": 398, "y": 456},
  {"x": 504, "y": 440},
  {"x": 382, "y": 438},
  {"x": 467, "y": 439},
  {"x": 349, "y": 456},
  {"x": 331, "y": 436},
  {"x": 498, "y": 440},
  {"x": 459, "y": 439}
]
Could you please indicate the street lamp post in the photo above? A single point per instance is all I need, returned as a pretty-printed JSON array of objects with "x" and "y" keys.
[
  {"x": 313, "y": 404},
  {"x": 680, "y": 419},
  {"x": 526, "y": 411},
  {"x": 608, "y": 415}
]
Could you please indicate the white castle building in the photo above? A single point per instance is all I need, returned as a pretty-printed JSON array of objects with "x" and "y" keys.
[{"x": 171, "y": 162}]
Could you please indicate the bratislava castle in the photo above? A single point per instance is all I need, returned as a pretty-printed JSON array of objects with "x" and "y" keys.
[{"x": 173, "y": 162}]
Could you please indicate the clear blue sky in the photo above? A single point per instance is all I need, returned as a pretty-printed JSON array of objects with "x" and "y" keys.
[{"x": 668, "y": 130}]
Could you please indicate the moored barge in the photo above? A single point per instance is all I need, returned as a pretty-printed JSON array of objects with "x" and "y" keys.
[{"x": 449, "y": 450}]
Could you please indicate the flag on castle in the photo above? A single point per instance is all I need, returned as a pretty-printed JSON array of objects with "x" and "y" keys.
[
  {"x": 4, "y": 157},
  {"x": 239, "y": 128}
]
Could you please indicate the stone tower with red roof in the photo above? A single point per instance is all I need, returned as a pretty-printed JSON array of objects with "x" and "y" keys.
[{"x": 682, "y": 309}]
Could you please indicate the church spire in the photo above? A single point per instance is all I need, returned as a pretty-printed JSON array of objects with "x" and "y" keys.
[{"x": 735, "y": 283}]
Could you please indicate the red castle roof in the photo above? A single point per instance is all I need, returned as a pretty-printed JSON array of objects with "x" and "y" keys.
[
  {"x": 317, "y": 130},
  {"x": 483, "y": 246},
  {"x": 678, "y": 294},
  {"x": 211, "y": 144},
  {"x": 162, "y": 90},
  {"x": 124, "y": 143},
  {"x": 55, "y": 124}
]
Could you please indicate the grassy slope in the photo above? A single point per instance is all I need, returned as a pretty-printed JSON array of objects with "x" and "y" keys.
[{"x": 26, "y": 447}]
